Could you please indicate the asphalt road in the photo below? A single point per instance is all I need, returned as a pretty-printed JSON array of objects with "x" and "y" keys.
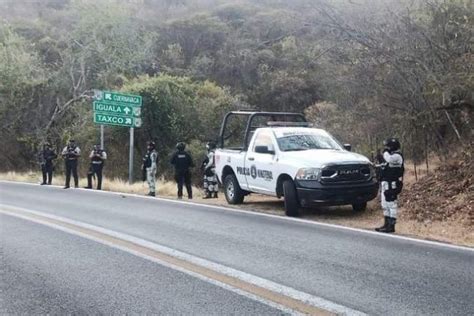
[{"x": 50, "y": 271}]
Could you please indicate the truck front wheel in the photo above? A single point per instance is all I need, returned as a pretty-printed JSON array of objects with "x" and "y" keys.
[
  {"x": 291, "y": 199},
  {"x": 232, "y": 190}
]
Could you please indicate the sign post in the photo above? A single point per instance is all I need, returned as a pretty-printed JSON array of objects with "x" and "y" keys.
[
  {"x": 130, "y": 157},
  {"x": 118, "y": 109},
  {"x": 102, "y": 136}
]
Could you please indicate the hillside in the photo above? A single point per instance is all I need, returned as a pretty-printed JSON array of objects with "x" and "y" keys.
[{"x": 446, "y": 194}]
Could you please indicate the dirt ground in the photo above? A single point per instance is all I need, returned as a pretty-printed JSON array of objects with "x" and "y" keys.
[{"x": 455, "y": 229}]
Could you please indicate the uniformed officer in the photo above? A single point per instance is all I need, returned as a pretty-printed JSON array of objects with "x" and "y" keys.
[
  {"x": 97, "y": 157},
  {"x": 391, "y": 183},
  {"x": 149, "y": 167},
  {"x": 71, "y": 154},
  {"x": 210, "y": 184},
  {"x": 182, "y": 162},
  {"x": 46, "y": 157}
]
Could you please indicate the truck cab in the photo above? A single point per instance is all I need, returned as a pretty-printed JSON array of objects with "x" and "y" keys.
[{"x": 282, "y": 156}]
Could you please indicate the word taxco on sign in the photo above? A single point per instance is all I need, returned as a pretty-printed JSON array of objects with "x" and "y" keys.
[
  {"x": 112, "y": 108},
  {"x": 109, "y": 119}
]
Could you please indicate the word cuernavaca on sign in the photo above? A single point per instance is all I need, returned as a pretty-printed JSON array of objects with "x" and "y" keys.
[{"x": 120, "y": 98}]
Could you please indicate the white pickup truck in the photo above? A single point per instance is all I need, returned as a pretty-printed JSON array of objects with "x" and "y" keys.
[{"x": 278, "y": 154}]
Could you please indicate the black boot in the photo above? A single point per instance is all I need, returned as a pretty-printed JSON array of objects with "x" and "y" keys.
[
  {"x": 385, "y": 223},
  {"x": 390, "y": 227},
  {"x": 215, "y": 195},
  {"x": 207, "y": 196}
]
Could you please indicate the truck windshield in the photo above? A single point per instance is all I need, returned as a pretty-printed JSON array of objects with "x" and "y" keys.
[{"x": 308, "y": 141}]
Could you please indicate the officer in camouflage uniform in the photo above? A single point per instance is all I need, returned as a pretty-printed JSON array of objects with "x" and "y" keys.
[
  {"x": 391, "y": 183},
  {"x": 150, "y": 166},
  {"x": 211, "y": 187}
]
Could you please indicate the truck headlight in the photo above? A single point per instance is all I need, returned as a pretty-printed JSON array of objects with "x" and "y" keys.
[{"x": 308, "y": 174}]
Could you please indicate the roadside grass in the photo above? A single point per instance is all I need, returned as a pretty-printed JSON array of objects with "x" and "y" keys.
[
  {"x": 454, "y": 230},
  {"x": 164, "y": 188}
]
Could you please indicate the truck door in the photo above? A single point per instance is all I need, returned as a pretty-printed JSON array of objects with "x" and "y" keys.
[{"x": 262, "y": 164}]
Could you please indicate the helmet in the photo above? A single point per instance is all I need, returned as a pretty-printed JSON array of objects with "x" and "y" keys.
[
  {"x": 180, "y": 146},
  {"x": 211, "y": 145},
  {"x": 151, "y": 144},
  {"x": 392, "y": 144}
]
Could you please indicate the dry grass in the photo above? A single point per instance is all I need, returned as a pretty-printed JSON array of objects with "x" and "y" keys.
[
  {"x": 421, "y": 170},
  {"x": 454, "y": 230},
  {"x": 164, "y": 188}
]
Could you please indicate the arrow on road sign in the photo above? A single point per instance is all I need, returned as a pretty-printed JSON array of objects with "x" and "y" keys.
[
  {"x": 126, "y": 110},
  {"x": 128, "y": 121},
  {"x": 108, "y": 96}
]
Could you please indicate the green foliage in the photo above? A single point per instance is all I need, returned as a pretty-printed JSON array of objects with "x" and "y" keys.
[
  {"x": 386, "y": 67},
  {"x": 178, "y": 109}
]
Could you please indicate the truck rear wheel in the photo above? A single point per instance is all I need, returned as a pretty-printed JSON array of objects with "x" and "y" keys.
[
  {"x": 359, "y": 207},
  {"x": 233, "y": 192},
  {"x": 291, "y": 199}
]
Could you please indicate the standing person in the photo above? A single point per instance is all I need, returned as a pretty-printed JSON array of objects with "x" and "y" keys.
[
  {"x": 209, "y": 166},
  {"x": 71, "y": 154},
  {"x": 391, "y": 183},
  {"x": 182, "y": 162},
  {"x": 149, "y": 167},
  {"x": 97, "y": 157},
  {"x": 46, "y": 157}
]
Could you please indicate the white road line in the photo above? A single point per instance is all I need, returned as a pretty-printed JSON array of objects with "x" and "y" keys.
[
  {"x": 284, "y": 218},
  {"x": 246, "y": 277}
]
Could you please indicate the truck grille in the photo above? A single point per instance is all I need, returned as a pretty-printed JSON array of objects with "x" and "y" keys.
[{"x": 355, "y": 173}]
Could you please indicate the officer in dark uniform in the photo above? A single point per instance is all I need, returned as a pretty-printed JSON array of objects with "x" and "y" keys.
[
  {"x": 71, "y": 154},
  {"x": 182, "y": 162},
  {"x": 97, "y": 157},
  {"x": 46, "y": 157},
  {"x": 391, "y": 177}
]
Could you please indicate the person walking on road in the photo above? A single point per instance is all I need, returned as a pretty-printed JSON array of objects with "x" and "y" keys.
[
  {"x": 391, "y": 177},
  {"x": 46, "y": 157},
  {"x": 149, "y": 167},
  {"x": 71, "y": 154},
  {"x": 182, "y": 162},
  {"x": 97, "y": 157}
]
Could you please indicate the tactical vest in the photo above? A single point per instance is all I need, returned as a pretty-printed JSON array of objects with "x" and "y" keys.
[
  {"x": 147, "y": 159},
  {"x": 390, "y": 173},
  {"x": 97, "y": 160},
  {"x": 70, "y": 156}
]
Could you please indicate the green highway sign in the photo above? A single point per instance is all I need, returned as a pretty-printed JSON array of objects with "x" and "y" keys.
[
  {"x": 115, "y": 109},
  {"x": 119, "y": 98},
  {"x": 118, "y": 120}
]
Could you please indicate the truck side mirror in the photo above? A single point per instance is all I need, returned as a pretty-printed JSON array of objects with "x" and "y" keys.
[
  {"x": 347, "y": 147},
  {"x": 264, "y": 150}
]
